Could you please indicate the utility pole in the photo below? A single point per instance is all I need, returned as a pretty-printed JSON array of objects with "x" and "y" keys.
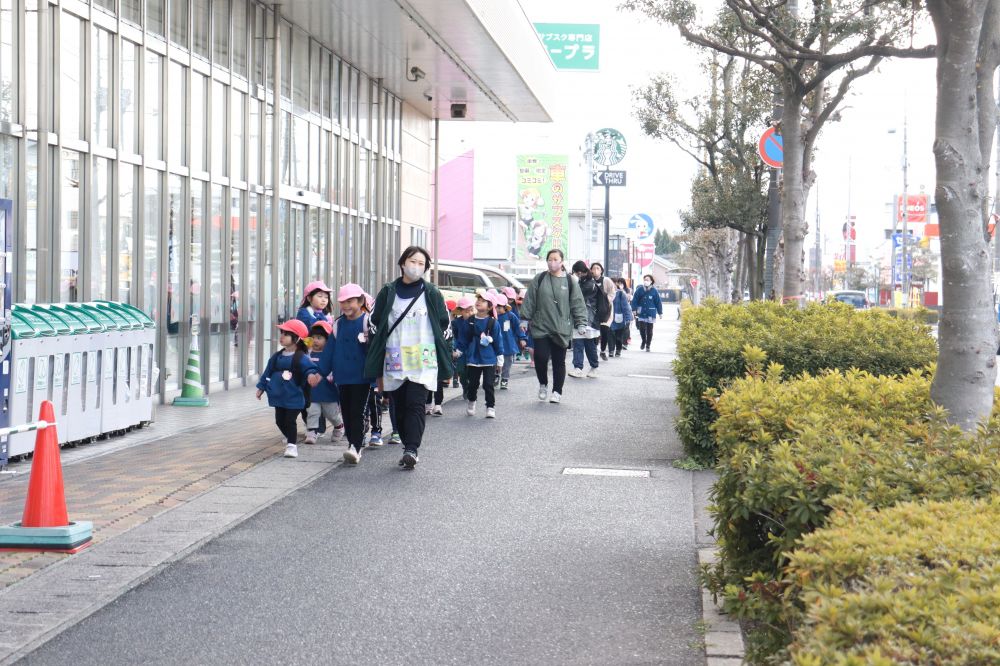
[
  {"x": 905, "y": 245},
  {"x": 607, "y": 217}
]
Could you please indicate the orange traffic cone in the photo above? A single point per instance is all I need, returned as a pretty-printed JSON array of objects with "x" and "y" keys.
[
  {"x": 45, "y": 505},
  {"x": 45, "y": 524}
]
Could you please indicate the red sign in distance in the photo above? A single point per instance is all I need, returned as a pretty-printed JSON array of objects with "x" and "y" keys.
[
  {"x": 645, "y": 253},
  {"x": 694, "y": 283}
]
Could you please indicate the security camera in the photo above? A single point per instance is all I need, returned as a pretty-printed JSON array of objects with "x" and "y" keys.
[
  {"x": 415, "y": 74},
  {"x": 458, "y": 111},
  {"x": 301, "y": 193}
]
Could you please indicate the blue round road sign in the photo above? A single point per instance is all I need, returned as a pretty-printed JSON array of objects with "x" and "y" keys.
[{"x": 771, "y": 148}]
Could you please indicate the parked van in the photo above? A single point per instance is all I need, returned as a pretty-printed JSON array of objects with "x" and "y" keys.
[{"x": 455, "y": 278}]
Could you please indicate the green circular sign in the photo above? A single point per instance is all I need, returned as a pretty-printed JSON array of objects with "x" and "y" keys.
[{"x": 609, "y": 146}]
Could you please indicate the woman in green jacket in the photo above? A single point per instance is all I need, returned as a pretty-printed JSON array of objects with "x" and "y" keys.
[
  {"x": 410, "y": 349},
  {"x": 553, "y": 307}
]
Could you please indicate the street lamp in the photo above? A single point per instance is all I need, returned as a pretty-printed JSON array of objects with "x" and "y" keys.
[{"x": 904, "y": 244}]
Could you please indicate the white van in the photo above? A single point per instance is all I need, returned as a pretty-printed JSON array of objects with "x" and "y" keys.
[{"x": 455, "y": 278}]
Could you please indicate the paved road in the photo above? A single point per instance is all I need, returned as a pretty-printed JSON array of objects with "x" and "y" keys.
[{"x": 486, "y": 554}]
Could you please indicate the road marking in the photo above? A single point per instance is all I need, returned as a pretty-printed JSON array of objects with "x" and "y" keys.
[
  {"x": 589, "y": 471},
  {"x": 651, "y": 376}
]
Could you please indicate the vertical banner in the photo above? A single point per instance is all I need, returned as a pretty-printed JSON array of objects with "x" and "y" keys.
[{"x": 542, "y": 210}]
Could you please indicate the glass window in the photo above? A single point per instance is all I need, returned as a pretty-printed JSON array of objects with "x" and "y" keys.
[
  {"x": 262, "y": 46},
  {"x": 335, "y": 90},
  {"x": 363, "y": 179},
  {"x": 70, "y": 89},
  {"x": 316, "y": 76},
  {"x": 287, "y": 130},
  {"x": 201, "y": 21},
  {"x": 196, "y": 254},
  {"x": 101, "y": 98},
  {"x": 345, "y": 171},
  {"x": 236, "y": 133},
  {"x": 149, "y": 289},
  {"x": 235, "y": 315},
  {"x": 335, "y": 167},
  {"x": 220, "y": 32},
  {"x": 300, "y": 153},
  {"x": 364, "y": 90},
  {"x": 199, "y": 137},
  {"x": 324, "y": 83},
  {"x": 132, "y": 11},
  {"x": 281, "y": 262},
  {"x": 219, "y": 137},
  {"x": 175, "y": 263},
  {"x": 315, "y": 151},
  {"x": 300, "y": 69},
  {"x": 250, "y": 292},
  {"x": 218, "y": 290},
  {"x": 153, "y": 129},
  {"x": 240, "y": 55},
  {"x": 253, "y": 146},
  {"x": 286, "y": 60},
  {"x": 154, "y": 17},
  {"x": 107, "y": 4},
  {"x": 126, "y": 230},
  {"x": 355, "y": 96},
  {"x": 31, "y": 224},
  {"x": 8, "y": 167},
  {"x": 31, "y": 36},
  {"x": 129, "y": 97},
  {"x": 315, "y": 246},
  {"x": 8, "y": 62},
  {"x": 267, "y": 152},
  {"x": 345, "y": 95},
  {"x": 69, "y": 227},
  {"x": 100, "y": 209},
  {"x": 179, "y": 22},
  {"x": 324, "y": 169},
  {"x": 177, "y": 101}
]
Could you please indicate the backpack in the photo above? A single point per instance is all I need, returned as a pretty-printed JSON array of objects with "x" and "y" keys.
[
  {"x": 603, "y": 304},
  {"x": 297, "y": 376}
]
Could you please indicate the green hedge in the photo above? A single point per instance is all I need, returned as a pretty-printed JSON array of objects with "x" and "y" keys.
[
  {"x": 810, "y": 339},
  {"x": 791, "y": 450},
  {"x": 923, "y": 315},
  {"x": 913, "y": 584}
]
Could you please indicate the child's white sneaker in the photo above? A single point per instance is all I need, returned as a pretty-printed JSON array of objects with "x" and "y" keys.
[
  {"x": 311, "y": 437},
  {"x": 291, "y": 451},
  {"x": 471, "y": 409},
  {"x": 338, "y": 433},
  {"x": 491, "y": 413}
]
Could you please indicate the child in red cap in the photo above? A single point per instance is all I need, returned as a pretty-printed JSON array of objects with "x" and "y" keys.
[{"x": 284, "y": 379}]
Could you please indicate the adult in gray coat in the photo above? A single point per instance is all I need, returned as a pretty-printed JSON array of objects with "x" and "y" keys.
[{"x": 553, "y": 307}]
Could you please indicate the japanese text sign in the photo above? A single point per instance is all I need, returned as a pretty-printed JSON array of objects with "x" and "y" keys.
[
  {"x": 572, "y": 46},
  {"x": 542, "y": 206}
]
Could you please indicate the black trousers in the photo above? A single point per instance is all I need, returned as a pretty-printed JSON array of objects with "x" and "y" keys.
[
  {"x": 646, "y": 332},
  {"x": 408, "y": 401},
  {"x": 618, "y": 339},
  {"x": 487, "y": 375},
  {"x": 546, "y": 349},
  {"x": 606, "y": 337},
  {"x": 375, "y": 411},
  {"x": 437, "y": 397},
  {"x": 286, "y": 421},
  {"x": 354, "y": 406}
]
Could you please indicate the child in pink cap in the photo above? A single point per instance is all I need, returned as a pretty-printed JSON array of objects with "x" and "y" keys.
[
  {"x": 315, "y": 305},
  {"x": 479, "y": 344}
]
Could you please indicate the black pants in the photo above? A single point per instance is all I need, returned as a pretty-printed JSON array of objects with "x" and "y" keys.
[
  {"x": 606, "y": 337},
  {"x": 545, "y": 349},
  {"x": 646, "y": 332},
  {"x": 286, "y": 421},
  {"x": 354, "y": 404},
  {"x": 375, "y": 411},
  {"x": 618, "y": 339},
  {"x": 408, "y": 402},
  {"x": 487, "y": 375},
  {"x": 437, "y": 397}
]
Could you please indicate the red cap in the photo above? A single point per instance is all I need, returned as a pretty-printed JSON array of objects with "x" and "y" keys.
[
  {"x": 325, "y": 325},
  {"x": 295, "y": 327},
  {"x": 450, "y": 304}
]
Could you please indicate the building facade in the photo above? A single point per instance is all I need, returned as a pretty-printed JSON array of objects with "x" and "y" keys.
[
  {"x": 205, "y": 159},
  {"x": 496, "y": 242}
]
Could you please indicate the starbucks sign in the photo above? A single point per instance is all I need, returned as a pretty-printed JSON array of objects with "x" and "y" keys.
[{"x": 609, "y": 146}]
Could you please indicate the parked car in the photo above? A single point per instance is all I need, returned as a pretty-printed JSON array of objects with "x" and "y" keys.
[
  {"x": 856, "y": 299},
  {"x": 455, "y": 278}
]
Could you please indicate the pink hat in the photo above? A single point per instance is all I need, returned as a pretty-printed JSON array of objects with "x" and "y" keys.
[
  {"x": 491, "y": 291},
  {"x": 315, "y": 285},
  {"x": 349, "y": 291},
  {"x": 295, "y": 327},
  {"x": 501, "y": 300},
  {"x": 509, "y": 293},
  {"x": 466, "y": 302}
]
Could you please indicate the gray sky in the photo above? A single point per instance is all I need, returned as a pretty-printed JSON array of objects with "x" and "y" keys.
[{"x": 857, "y": 155}]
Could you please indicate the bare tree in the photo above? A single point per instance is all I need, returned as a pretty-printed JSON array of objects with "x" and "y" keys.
[
  {"x": 968, "y": 35},
  {"x": 814, "y": 54}
]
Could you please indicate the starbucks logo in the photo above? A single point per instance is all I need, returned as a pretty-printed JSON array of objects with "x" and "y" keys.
[{"x": 609, "y": 146}]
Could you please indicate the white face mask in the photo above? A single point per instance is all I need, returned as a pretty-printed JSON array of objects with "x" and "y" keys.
[
  {"x": 648, "y": 283},
  {"x": 413, "y": 272},
  {"x": 555, "y": 266}
]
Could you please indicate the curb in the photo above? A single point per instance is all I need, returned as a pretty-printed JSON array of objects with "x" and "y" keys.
[{"x": 723, "y": 637}]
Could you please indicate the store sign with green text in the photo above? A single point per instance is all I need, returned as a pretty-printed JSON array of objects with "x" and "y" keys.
[{"x": 572, "y": 46}]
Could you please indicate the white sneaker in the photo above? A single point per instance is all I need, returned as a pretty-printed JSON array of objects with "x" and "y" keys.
[
  {"x": 428, "y": 409},
  {"x": 291, "y": 451},
  {"x": 592, "y": 374},
  {"x": 352, "y": 455},
  {"x": 438, "y": 411},
  {"x": 471, "y": 409},
  {"x": 543, "y": 392},
  {"x": 555, "y": 397},
  {"x": 575, "y": 372},
  {"x": 491, "y": 413},
  {"x": 311, "y": 437},
  {"x": 338, "y": 433}
]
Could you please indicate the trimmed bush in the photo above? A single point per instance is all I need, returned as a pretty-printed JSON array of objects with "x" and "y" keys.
[
  {"x": 913, "y": 584},
  {"x": 923, "y": 315},
  {"x": 811, "y": 339},
  {"x": 791, "y": 450}
]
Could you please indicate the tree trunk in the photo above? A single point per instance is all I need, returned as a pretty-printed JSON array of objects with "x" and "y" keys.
[
  {"x": 966, "y": 369},
  {"x": 793, "y": 195},
  {"x": 738, "y": 269}
]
